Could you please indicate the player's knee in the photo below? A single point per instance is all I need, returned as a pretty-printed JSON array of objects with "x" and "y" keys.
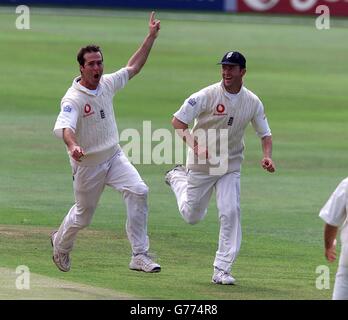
[
  {"x": 229, "y": 218},
  {"x": 84, "y": 216},
  {"x": 192, "y": 220},
  {"x": 230, "y": 212},
  {"x": 228, "y": 208},
  {"x": 192, "y": 215},
  {"x": 140, "y": 189},
  {"x": 225, "y": 217}
]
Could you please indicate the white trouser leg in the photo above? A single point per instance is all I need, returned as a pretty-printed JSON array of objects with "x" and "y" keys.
[
  {"x": 88, "y": 186},
  {"x": 123, "y": 177},
  {"x": 228, "y": 198},
  {"x": 193, "y": 191},
  {"x": 340, "y": 291}
]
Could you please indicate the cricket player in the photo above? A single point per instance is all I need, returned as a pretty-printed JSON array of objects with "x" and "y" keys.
[
  {"x": 87, "y": 125},
  {"x": 335, "y": 214},
  {"x": 220, "y": 112}
]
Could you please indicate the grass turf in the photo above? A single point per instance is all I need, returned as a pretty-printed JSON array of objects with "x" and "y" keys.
[{"x": 298, "y": 72}]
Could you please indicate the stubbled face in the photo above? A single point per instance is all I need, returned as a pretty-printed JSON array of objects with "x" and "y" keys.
[
  {"x": 92, "y": 70},
  {"x": 232, "y": 75}
]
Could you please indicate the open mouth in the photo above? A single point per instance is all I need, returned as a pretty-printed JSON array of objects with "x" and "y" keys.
[{"x": 96, "y": 76}]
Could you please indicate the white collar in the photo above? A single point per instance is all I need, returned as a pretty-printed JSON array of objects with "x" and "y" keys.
[{"x": 78, "y": 86}]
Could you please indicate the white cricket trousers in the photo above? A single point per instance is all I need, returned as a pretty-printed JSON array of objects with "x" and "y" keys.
[
  {"x": 340, "y": 291},
  {"x": 89, "y": 183},
  {"x": 193, "y": 191}
]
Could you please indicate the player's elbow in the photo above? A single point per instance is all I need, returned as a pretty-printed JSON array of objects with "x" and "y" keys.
[
  {"x": 177, "y": 124},
  {"x": 173, "y": 122},
  {"x": 133, "y": 70},
  {"x": 267, "y": 138},
  {"x": 136, "y": 70}
]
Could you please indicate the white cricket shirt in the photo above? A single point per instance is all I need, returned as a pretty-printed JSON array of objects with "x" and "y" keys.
[
  {"x": 90, "y": 115},
  {"x": 334, "y": 212},
  {"x": 213, "y": 109}
]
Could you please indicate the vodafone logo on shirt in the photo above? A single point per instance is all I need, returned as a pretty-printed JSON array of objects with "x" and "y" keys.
[
  {"x": 220, "y": 110},
  {"x": 88, "y": 110},
  {"x": 337, "y": 7}
]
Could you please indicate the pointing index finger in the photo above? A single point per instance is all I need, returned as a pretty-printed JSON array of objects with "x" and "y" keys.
[{"x": 152, "y": 16}]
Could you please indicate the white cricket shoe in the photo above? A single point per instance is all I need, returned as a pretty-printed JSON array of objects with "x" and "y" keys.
[
  {"x": 61, "y": 260},
  {"x": 142, "y": 262},
  {"x": 169, "y": 174},
  {"x": 222, "y": 277}
]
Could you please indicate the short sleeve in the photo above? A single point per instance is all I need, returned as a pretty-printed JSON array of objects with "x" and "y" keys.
[
  {"x": 191, "y": 108},
  {"x": 334, "y": 211},
  {"x": 260, "y": 122},
  {"x": 117, "y": 80},
  {"x": 67, "y": 118}
]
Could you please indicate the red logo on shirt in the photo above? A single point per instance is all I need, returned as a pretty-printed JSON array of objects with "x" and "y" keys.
[
  {"x": 220, "y": 110},
  {"x": 88, "y": 110}
]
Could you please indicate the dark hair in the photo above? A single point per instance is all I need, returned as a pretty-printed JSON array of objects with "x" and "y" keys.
[{"x": 87, "y": 49}]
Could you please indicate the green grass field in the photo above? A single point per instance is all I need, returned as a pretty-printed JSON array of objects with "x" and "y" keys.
[{"x": 299, "y": 73}]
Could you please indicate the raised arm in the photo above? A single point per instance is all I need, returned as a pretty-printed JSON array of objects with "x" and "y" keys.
[{"x": 137, "y": 61}]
